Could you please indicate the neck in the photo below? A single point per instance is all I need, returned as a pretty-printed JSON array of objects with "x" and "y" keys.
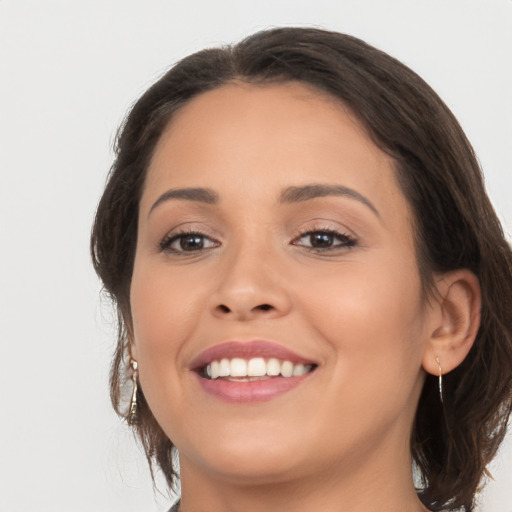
[{"x": 358, "y": 488}]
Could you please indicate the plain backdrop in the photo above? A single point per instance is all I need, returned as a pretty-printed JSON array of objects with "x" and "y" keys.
[{"x": 69, "y": 70}]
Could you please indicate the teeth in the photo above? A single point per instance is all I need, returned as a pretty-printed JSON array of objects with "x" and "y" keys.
[
  {"x": 214, "y": 370},
  {"x": 255, "y": 367},
  {"x": 273, "y": 367},
  {"x": 287, "y": 369},
  {"x": 298, "y": 370},
  {"x": 237, "y": 367},
  {"x": 224, "y": 368}
]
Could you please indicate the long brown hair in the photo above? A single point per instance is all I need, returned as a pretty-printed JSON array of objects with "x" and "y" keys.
[{"x": 454, "y": 222}]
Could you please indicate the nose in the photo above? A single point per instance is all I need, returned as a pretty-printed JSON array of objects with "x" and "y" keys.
[{"x": 250, "y": 286}]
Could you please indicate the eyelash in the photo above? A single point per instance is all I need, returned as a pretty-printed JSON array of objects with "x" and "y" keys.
[
  {"x": 166, "y": 243},
  {"x": 346, "y": 241}
]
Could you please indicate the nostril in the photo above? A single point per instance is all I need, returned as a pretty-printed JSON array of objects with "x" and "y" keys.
[{"x": 241, "y": 311}]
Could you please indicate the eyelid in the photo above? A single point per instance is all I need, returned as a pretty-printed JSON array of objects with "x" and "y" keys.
[
  {"x": 181, "y": 232},
  {"x": 345, "y": 236}
]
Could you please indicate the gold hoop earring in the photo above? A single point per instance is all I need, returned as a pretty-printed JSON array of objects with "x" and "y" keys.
[
  {"x": 132, "y": 415},
  {"x": 440, "y": 379}
]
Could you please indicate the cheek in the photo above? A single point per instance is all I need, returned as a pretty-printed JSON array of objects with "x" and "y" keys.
[
  {"x": 374, "y": 324},
  {"x": 164, "y": 311},
  {"x": 372, "y": 316}
]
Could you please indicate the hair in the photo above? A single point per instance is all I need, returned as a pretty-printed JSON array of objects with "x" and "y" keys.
[{"x": 454, "y": 223}]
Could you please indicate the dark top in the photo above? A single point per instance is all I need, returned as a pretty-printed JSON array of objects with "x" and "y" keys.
[{"x": 175, "y": 507}]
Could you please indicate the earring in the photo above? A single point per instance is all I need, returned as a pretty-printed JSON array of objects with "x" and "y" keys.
[
  {"x": 132, "y": 416},
  {"x": 440, "y": 379}
]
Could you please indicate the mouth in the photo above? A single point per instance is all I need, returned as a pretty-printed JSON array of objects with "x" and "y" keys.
[
  {"x": 250, "y": 371},
  {"x": 238, "y": 369}
]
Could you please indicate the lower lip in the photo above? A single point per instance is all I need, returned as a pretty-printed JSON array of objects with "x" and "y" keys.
[{"x": 250, "y": 392}]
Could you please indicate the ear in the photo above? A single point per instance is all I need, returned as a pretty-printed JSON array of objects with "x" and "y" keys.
[{"x": 453, "y": 322}]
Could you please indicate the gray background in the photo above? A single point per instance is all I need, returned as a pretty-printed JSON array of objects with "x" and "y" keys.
[{"x": 68, "y": 72}]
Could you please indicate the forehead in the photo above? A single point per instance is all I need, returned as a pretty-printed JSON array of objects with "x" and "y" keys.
[
  {"x": 292, "y": 110},
  {"x": 265, "y": 137}
]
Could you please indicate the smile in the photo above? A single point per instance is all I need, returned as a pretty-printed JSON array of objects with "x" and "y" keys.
[
  {"x": 254, "y": 369},
  {"x": 246, "y": 372}
]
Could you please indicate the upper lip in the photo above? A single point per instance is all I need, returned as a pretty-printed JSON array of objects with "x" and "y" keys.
[{"x": 247, "y": 350}]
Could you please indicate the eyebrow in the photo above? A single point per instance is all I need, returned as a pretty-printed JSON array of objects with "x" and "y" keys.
[
  {"x": 289, "y": 195},
  {"x": 202, "y": 195},
  {"x": 313, "y": 191}
]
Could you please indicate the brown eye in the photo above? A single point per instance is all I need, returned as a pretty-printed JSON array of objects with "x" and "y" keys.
[
  {"x": 321, "y": 239},
  {"x": 187, "y": 242},
  {"x": 191, "y": 242},
  {"x": 327, "y": 240}
]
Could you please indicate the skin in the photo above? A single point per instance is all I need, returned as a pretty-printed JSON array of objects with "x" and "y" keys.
[{"x": 340, "y": 441}]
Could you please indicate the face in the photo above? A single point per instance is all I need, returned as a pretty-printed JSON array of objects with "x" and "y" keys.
[{"x": 274, "y": 241}]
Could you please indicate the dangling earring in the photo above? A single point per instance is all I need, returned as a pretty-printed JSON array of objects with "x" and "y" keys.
[
  {"x": 132, "y": 415},
  {"x": 440, "y": 379}
]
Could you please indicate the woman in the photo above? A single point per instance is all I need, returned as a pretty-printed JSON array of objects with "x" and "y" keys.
[{"x": 314, "y": 292}]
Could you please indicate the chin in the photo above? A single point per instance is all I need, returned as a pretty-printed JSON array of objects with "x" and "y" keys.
[
  {"x": 256, "y": 459},
  {"x": 255, "y": 468}
]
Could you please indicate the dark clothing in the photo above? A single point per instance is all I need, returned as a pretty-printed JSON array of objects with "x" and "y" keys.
[{"x": 175, "y": 507}]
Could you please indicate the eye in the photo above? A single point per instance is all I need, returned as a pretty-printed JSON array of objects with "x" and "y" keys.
[
  {"x": 324, "y": 240},
  {"x": 187, "y": 242}
]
